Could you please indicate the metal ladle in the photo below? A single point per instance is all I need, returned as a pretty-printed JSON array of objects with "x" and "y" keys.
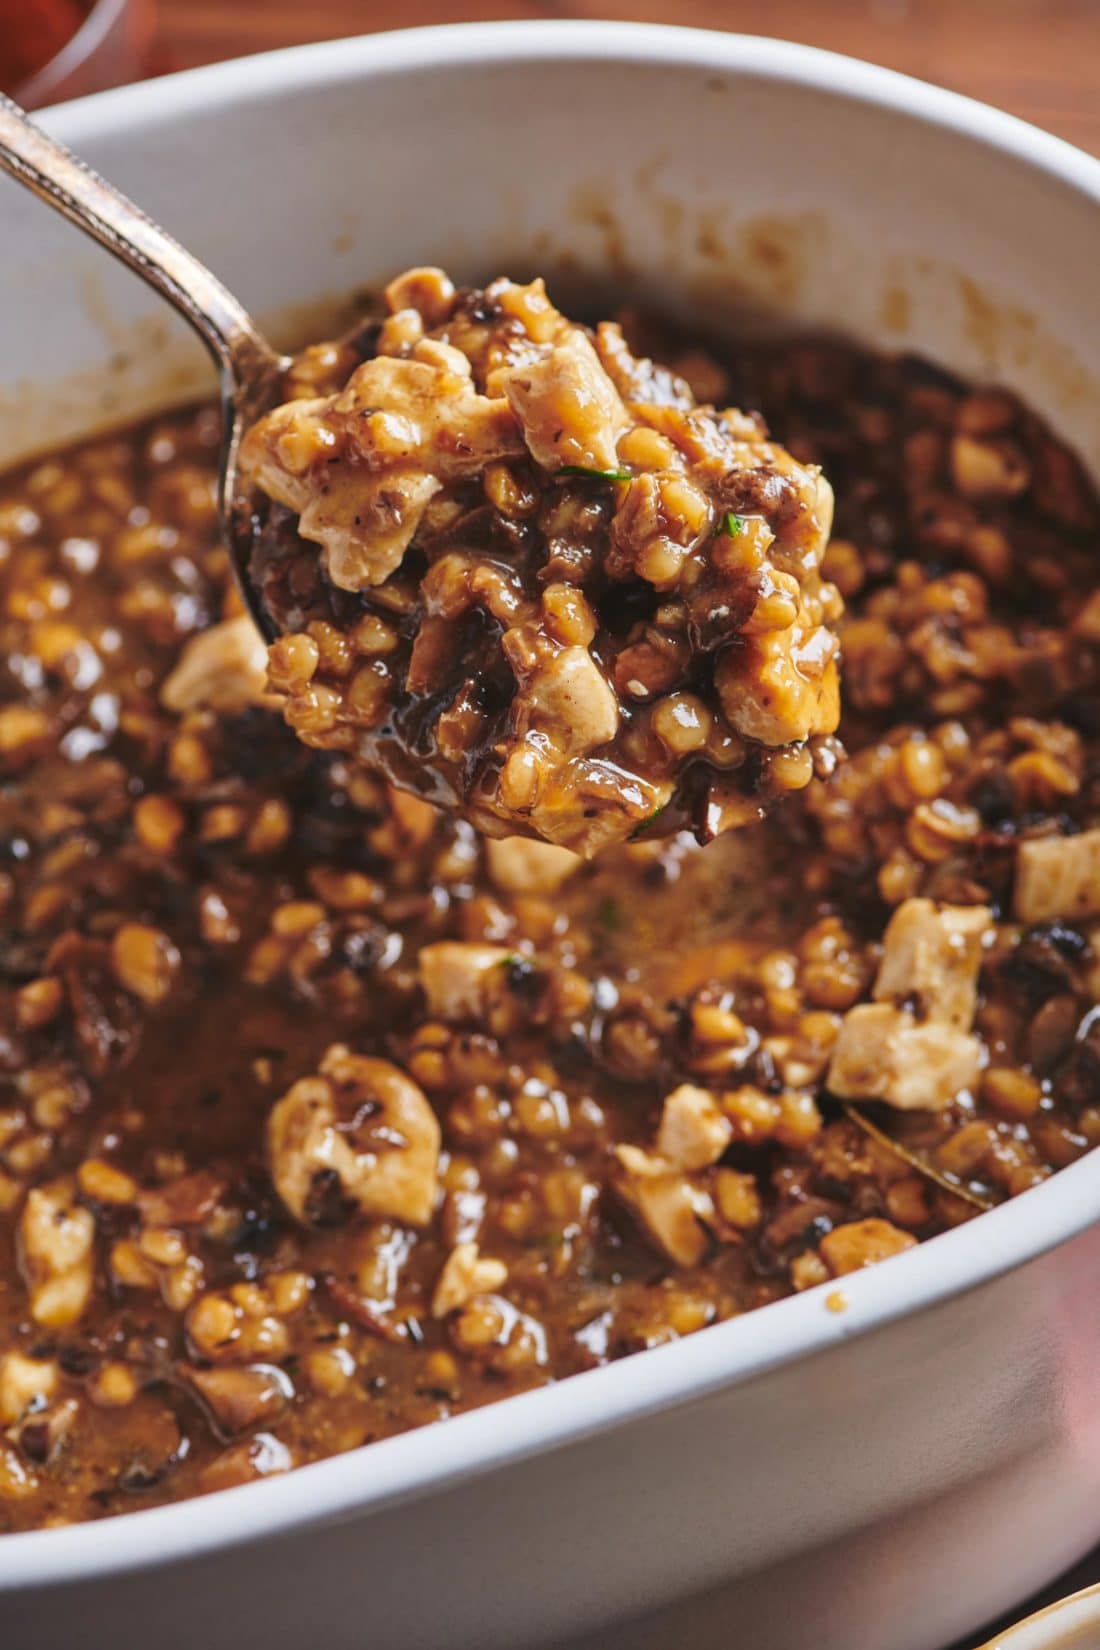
[{"x": 249, "y": 369}]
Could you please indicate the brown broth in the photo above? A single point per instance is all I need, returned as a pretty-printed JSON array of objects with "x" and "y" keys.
[{"x": 195, "y": 907}]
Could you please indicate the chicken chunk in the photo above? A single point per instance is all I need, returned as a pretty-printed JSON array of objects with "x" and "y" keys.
[
  {"x": 568, "y": 701},
  {"x": 588, "y": 804},
  {"x": 666, "y": 1188},
  {"x": 671, "y": 1208},
  {"x": 783, "y": 686},
  {"x": 466, "y": 1273},
  {"x": 56, "y": 1253},
  {"x": 360, "y": 467},
  {"x": 223, "y": 669},
  {"x": 694, "y": 1131},
  {"x": 570, "y": 412},
  {"x": 25, "y": 1383},
  {"x": 423, "y": 411},
  {"x": 883, "y": 1053},
  {"x": 359, "y": 1136},
  {"x": 461, "y": 980},
  {"x": 931, "y": 957},
  {"x": 911, "y": 1047},
  {"x": 522, "y": 865},
  {"x": 365, "y": 525},
  {"x": 1058, "y": 876}
]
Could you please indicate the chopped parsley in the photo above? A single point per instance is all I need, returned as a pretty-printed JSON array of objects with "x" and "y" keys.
[
  {"x": 731, "y": 526},
  {"x": 594, "y": 475},
  {"x": 649, "y": 820}
]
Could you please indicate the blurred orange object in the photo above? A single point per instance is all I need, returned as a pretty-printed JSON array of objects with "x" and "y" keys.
[
  {"x": 53, "y": 49},
  {"x": 36, "y": 32}
]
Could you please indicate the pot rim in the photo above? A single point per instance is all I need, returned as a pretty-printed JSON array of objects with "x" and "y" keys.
[
  {"x": 1052, "y": 1619},
  {"x": 517, "y": 1428}
]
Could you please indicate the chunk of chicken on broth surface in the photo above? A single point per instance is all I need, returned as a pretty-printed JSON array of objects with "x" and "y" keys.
[{"x": 522, "y": 570}]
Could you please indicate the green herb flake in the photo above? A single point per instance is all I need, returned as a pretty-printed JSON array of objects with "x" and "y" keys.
[
  {"x": 732, "y": 525},
  {"x": 594, "y": 475},
  {"x": 609, "y": 914}
]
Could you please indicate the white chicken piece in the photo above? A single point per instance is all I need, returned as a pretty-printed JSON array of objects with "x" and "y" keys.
[
  {"x": 462, "y": 979},
  {"x": 365, "y": 524},
  {"x": 360, "y": 467},
  {"x": 223, "y": 669},
  {"x": 883, "y": 1053},
  {"x": 465, "y": 1274},
  {"x": 569, "y": 700},
  {"x": 912, "y": 1046},
  {"x": 673, "y": 1211},
  {"x": 522, "y": 865},
  {"x": 664, "y": 1187},
  {"x": 781, "y": 686},
  {"x": 1058, "y": 876},
  {"x": 25, "y": 1383},
  {"x": 589, "y": 804},
  {"x": 694, "y": 1131},
  {"x": 931, "y": 958},
  {"x": 385, "y": 1166},
  {"x": 56, "y": 1253},
  {"x": 570, "y": 411}
]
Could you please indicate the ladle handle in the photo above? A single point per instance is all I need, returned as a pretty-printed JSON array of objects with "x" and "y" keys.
[{"x": 58, "y": 177}]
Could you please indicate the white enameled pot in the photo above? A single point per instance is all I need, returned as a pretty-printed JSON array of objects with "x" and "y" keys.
[{"x": 884, "y": 1477}]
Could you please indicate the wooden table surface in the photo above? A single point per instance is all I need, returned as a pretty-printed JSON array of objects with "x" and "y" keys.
[{"x": 1037, "y": 58}]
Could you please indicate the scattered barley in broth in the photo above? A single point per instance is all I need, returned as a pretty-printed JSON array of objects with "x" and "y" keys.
[{"x": 197, "y": 909}]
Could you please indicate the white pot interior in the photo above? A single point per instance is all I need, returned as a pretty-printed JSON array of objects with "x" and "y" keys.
[{"x": 730, "y": 191}]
